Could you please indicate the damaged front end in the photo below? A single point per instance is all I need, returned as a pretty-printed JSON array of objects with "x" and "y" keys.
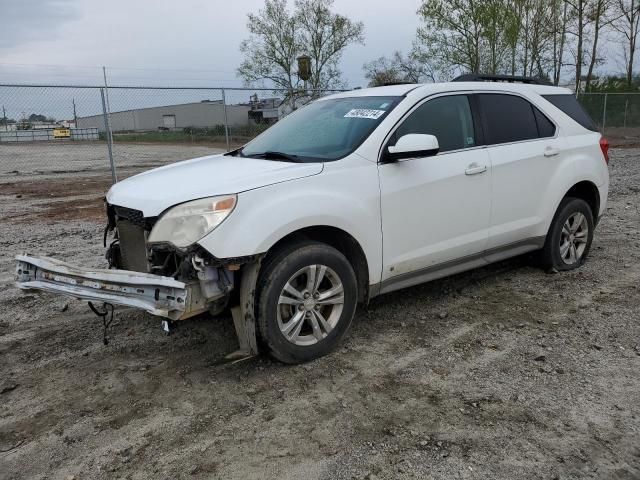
[
  {"x": 162, "y": 296},
  {"x": 162, "y": 279}
]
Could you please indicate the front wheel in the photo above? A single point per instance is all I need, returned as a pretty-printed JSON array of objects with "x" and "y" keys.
[
  {"x": 307, "y": 297},
  {"x": 570, "y": 235}
]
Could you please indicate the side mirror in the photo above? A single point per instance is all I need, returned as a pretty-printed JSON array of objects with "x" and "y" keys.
[{"x": 413, "y": 145}]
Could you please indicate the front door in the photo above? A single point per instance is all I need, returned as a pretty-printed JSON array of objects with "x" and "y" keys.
[{"x": 435, "y": 210}]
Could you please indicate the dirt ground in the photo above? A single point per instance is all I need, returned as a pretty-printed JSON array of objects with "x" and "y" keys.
[
  {"x": 501, "y": 373},
  {"x": 86, "y": 158}
]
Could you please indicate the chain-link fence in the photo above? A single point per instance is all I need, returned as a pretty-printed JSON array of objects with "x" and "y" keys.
[
  {"x": 119, "y": 131},
  {"x": 617, "y": 115},
  {"x": 85, "y": 130}
]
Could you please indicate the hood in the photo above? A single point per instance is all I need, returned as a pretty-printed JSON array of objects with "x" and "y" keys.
[{"x": 154, "y": 191}]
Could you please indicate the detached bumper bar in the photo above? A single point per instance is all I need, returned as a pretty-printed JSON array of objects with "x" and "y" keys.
[{"x": 162, "y": 296}]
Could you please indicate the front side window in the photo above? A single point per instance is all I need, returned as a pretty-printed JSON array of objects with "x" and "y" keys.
[
  {"x": 448, "y": 118},
  {"x": 323, "y": 131}
]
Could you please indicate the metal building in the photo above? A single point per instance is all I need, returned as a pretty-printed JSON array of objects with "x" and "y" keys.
[{"x": 200, "y": 114}]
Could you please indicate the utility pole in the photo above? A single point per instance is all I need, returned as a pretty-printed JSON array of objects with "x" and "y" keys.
[{"x": 4, "y": 119}]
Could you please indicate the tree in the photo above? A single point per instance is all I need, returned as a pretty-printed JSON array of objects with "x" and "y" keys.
[
  {"x": 527, "y": 37},
  {"x": 597, "y": 16},
  {"x": 587, "y": 18},
  {"x": 538, "y": 37},
  {"x": 381, "y": 71},
  {"x": 559, "y": 22},
  {"x": 496, "y": 22},
  {"x": 488, "y": 36},
  {"x": 578, "y": 29},
  {"x": 36, "y": 117},
  {"x": 398, "y": 68},
  {"x": 278, "y": 37},
  {"x": 451, "y": 34},
  {"x": 626, "y": 23},
  {"x": 414, "y": 67},
  {"x": 270, "y": 53}
]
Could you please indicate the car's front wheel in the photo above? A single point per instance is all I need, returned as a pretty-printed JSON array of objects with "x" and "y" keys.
[{"x": 307, "y": 297}]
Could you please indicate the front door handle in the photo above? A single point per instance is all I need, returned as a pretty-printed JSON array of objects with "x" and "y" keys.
[
  {"x": 475, "y": 169},
  {"x": 551, "y": 152}
]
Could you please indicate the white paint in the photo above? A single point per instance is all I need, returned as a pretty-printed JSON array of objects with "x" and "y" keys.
[
  {"x": 154, "y": 191},
  {"x": 406, "y": 215}
]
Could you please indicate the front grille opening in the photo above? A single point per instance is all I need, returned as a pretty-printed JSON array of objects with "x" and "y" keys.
[{"x": 135, "y": 217}]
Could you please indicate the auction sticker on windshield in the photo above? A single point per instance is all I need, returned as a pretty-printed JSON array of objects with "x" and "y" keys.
[{"x": 364, "y": 113}]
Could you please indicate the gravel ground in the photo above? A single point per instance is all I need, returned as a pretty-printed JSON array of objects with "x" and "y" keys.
[
  {"x": 501, "y": 373},
  {"x": 90, "y": 157}
]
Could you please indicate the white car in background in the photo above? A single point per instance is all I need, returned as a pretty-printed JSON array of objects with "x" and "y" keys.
[{"x": 355, "y": 195}]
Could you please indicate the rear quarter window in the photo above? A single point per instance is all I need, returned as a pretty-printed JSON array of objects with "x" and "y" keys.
[
  {"x": 569, "y": 105},
  {"x": 545, "y": 127}
]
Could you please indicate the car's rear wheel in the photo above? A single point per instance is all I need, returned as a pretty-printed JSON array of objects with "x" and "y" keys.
[
  {"x": 569, "y": 239},
  {"x": 307, "y": 296}
]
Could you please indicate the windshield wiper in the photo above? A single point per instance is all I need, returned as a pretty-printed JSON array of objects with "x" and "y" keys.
[
  {"x": 271, "y": 155},
  {"x": 234, "y": 153}
]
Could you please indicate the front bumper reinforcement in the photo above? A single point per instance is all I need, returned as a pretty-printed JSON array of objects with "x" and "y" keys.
[{"x": 162, "y": 296}]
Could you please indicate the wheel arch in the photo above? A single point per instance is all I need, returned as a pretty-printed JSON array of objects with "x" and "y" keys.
[
  {"x": 339, "y": 239},
  {"x": 583, "y": 189},
  {"x": 587, "y": 191}
]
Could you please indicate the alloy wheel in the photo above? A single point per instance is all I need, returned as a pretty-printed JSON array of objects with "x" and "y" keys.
[
  {"x": 573, "y": 238},
  {"x": 310, "y": 305}
]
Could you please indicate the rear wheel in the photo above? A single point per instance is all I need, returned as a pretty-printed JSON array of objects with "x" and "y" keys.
[
  {"x": 569, "y": 239},
  {"x": 307, "y": 296}
]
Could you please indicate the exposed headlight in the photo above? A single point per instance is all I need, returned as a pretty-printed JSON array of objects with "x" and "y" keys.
[{"x": 185, "y": 224}]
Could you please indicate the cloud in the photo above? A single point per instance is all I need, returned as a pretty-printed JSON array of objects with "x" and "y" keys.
[
  {"x": 26, "y": 21},
  {"x": 165, "y": 42}
]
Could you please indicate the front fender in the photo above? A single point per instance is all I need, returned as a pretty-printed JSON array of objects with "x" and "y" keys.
[{"x": 343, "y": 196}]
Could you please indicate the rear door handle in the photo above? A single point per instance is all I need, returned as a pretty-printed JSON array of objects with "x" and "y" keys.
[
  {"x": 475, "y": 169},
  {"x": 551, "y": 152}
]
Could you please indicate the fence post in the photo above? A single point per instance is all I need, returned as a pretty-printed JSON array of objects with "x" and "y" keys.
[
  {"x": 107, "y": 128},
  {"x": 604, "y": 112},
  {"x": 226, "y": 120},
  {"x": 626, "y": 107}
]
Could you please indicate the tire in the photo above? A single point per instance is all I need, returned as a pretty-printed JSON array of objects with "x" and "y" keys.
[
  {"x": 326, "y": 316},
  {"x": 569, "y": 239}
]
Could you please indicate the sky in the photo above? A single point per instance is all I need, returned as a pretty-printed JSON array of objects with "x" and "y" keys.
[{"x": 160, "y": 42}]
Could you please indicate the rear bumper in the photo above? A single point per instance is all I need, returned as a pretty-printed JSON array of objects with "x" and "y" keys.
[{"x": 162, "y": 296}]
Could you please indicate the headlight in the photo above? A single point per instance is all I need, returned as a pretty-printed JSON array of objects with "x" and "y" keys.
[{"x": 185, "y": 224}]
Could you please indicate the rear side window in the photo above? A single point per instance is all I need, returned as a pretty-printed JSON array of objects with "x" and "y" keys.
[
  {"x": 569, "y": 105},
  {"x": 507, "y": 118}
]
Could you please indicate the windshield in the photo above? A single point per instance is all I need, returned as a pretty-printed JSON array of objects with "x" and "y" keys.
[{"x": 322, "y": 131}]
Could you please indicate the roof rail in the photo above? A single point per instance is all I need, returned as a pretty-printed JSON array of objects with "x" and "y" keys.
[
  {"x": 475, "y": 77},
  {"x": 391, "y": 84}
]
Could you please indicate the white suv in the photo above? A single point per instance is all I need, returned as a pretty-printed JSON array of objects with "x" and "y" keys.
[{"x": 355, "y": 195}]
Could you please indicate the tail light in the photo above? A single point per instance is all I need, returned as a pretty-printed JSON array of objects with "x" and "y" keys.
[{"x": 604, "y": 146}]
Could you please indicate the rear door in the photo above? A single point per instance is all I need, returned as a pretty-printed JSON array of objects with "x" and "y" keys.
[{"x": 525, "y": 152}]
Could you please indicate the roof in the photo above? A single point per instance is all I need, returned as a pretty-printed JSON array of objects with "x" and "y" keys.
[
  {"x": 388, "y": 91},
  {"x": 425, "y": 89}
]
